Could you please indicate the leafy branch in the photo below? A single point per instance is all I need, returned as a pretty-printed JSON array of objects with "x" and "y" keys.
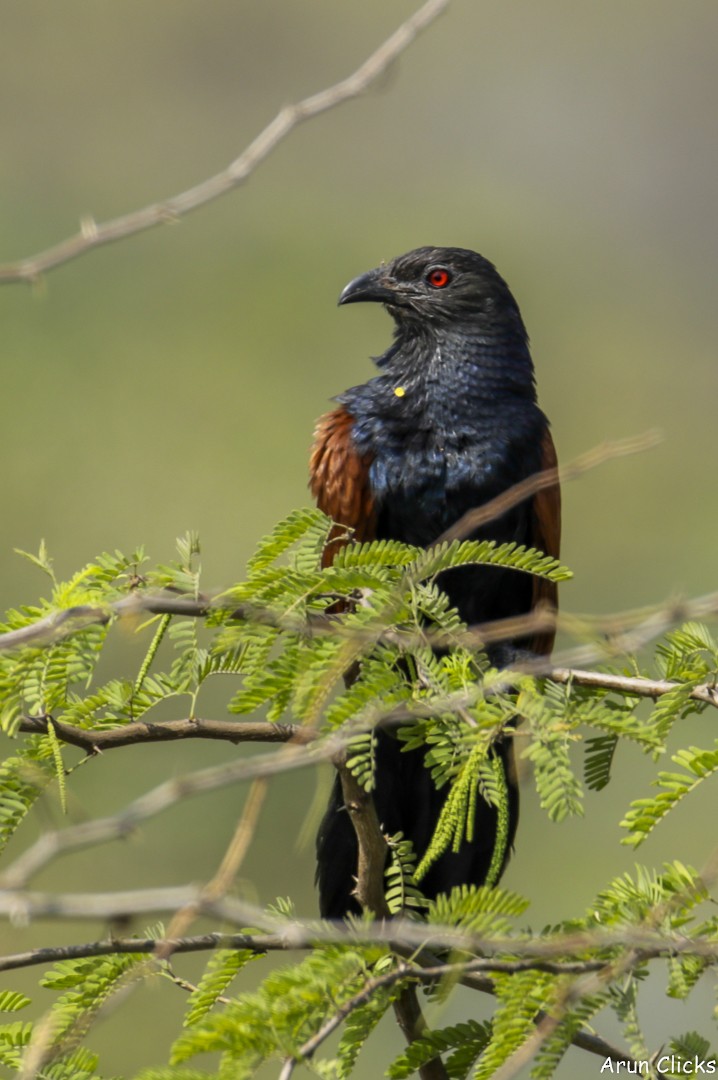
[{"x": 289, "y": 661}]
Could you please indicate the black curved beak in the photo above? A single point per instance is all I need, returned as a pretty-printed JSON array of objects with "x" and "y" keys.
[{"x": 372, "y": 286}]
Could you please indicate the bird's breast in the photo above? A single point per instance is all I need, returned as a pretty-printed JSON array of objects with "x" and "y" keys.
[{"x": 437, "y": 451}]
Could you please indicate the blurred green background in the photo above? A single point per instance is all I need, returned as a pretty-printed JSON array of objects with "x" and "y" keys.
[{"x": 171, "y": 381}]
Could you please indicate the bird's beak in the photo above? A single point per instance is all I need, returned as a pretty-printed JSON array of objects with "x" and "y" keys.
[{"x": 373, "y": 286}]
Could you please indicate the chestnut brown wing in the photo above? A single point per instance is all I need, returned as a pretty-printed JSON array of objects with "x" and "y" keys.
[
  {"x": 339, "y": 481},
  {"x": 546, "y": 536}
]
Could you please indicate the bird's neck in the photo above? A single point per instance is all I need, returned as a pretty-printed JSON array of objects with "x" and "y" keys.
[{"x": 483, "y": 367}]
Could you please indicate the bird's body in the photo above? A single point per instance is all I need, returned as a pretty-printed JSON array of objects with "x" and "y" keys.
[{"x": 449, "y": 423}]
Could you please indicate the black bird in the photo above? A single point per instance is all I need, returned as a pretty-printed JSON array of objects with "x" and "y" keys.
[{"x": 450, "y": 422}]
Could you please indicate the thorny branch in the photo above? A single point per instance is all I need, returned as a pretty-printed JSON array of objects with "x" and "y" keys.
[
  {"x": 369, "y": 892},
  {"x": 280, "y": 933},
  {"x": 93, "y": 235},
  {"x": 261, "y": 731}
]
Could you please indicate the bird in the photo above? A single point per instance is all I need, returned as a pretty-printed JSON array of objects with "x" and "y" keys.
[{"x": 450, "y": 422}]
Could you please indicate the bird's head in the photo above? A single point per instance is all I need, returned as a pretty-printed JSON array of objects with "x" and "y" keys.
[{"x": 435, "y": 287}]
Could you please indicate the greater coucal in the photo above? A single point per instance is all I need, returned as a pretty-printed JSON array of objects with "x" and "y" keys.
[{"x": 450, "y": 422}]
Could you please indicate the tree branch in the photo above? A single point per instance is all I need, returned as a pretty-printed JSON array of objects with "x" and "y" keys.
[
  {"x": 426, "y": 967},
  {"x": 371, "y": 861},
  {"x": 371, "y": 843},
  {"x": 160, "y": 798},
  {"x": 631, "y": 685},
  {"x": 490, "y": 511},
  {"x": 94, "y": 742},
  {"x": 93, "y": 235},
  {"x": 395, "y": 933}
]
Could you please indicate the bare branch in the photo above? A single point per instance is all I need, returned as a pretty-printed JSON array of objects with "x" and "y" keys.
[
  {"x": 517, "y": 494},
  {"x": 94, "y": 742},
  {"x": 160, "y": 798},
  {"x": 372, "y": 846},
  {"x": 259, "y": 943},
  {"x": 398, "y": 934},
  {"x": 369, "y": 891},
  {"x": 93, "y": 235},
  {"x": 631, "y": 685}
]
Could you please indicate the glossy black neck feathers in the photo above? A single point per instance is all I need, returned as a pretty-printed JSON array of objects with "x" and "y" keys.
[{"x": 465, "y": 338}]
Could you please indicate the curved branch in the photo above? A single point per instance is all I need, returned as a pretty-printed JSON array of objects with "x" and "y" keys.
[{"x": 93, "y": 235}]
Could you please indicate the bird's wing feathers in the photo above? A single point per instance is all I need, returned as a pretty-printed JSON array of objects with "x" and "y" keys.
[
  {"x": 339, "y": 481},
  {"x": 546, "y": 536}
]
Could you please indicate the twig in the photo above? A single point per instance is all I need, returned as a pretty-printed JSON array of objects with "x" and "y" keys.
[
  {"x": 93, "y": 741},
  {"x": 474, "y": 519},
  {"x": 228, "y": 869},
  {"x": 93, "y": 235},
  {"x": 371, "y": 843},
  {"x": 369, "y": 891},
  {"x": 46, "y": 955},
  {"x": 631, "y": 685},
  {"x": 261, "y": 943},
  {"x": 395, "y": 933},
  {"x": 160, "y": 798}
]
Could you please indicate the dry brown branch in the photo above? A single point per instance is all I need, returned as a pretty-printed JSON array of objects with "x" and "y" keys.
[
  {"x": 631, "y": 685},
  {"x": 369, "y": 891},
  {"x": 93, "y": 742},
  {"x": 371, "y": 842},
  {"x": 399, "y": 934},
  {"x": 261, "y": 943},
  {"x": 93, "y": 235}
]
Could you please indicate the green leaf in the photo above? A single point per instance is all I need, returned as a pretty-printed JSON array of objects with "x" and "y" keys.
[
  {"x": 223, "y": 966},
  {"x": 467, "y": 1040},
  {"x": 12, "y": 1001},
  {"x": 645, "y": 814}
]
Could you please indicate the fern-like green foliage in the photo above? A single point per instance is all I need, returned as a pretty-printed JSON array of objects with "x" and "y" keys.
[
  {"x": 283, "y": 640},
  {"x": 402, "y": 892},
  {"x": 519, "y": 997},
  {"x": 84, "y": 985},
  {"x": 550, "y": 1054},
  {"x": 358, "y": 1027},
  {"x": 689, "y": 1047},
  {"x": 478, "y": 909},
  {"x": 467, "y": 1040},
  {"x": 645, "y": 814},
  {"x": 274, "y": 1022},
  {"x": 222, "y": 968}
]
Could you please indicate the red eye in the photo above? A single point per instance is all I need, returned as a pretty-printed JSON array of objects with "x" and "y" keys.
[{"x": 439, "y": 278}]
